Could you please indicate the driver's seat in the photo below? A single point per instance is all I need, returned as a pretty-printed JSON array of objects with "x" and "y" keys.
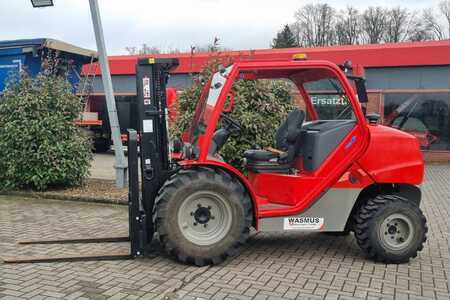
[{"x": 287, "y": 142}]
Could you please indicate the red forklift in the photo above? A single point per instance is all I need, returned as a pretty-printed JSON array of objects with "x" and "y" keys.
[
  {"x": 330, "y": 175},
  {"x": 331, "y": 171}
]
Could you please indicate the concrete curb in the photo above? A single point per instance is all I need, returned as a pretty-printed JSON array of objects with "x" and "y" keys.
[{"x": 56, "y": 196}]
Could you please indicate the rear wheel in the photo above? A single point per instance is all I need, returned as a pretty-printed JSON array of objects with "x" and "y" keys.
[
  {"x": 203, "y": 216},
  {"x": 390, "y": 229}
]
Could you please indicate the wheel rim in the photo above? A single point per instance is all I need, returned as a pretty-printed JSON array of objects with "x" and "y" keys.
[
  {"x": 205, "y": 218},
  {"x": 396, "y": 231}
]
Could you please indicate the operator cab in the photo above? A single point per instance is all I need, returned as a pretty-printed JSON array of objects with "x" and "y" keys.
[
  {"x": 322, "y": 121},
  {"x": 311, "y": 131}
]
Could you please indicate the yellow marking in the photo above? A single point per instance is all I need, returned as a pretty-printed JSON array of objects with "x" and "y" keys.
[{"x": 300, "y": 56}]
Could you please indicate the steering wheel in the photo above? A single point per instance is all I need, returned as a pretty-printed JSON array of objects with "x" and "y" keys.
[{"x": 231, "y": 125}]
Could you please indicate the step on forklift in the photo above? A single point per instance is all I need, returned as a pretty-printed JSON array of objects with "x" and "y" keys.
[{"x": 334, "y": 169}]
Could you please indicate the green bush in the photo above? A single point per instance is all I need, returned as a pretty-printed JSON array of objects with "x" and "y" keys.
[
  {"x": 40, "y": 146},
  {"x": 260, "y": 106}
]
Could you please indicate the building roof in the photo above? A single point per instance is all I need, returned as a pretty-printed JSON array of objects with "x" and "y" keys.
[
  {"x": 50, "y": 44},
  {"x": 369, "y": 56}
]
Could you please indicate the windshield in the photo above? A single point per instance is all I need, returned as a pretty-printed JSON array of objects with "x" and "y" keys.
[{"x": 207, "y": 103}]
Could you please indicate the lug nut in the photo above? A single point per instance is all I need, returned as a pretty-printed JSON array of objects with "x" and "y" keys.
[
  {"x": 206, "y": 225},
  {"x": 212, "y": 217},
  {"x": 195, "y": 223},
  {"x": 192, "y": 213},
  {"x": 209, "y": 207},
  {"x": 199, "y": 205}
]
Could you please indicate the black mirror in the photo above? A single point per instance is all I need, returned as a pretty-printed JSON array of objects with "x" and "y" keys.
[{"x": 361, "y": 90}]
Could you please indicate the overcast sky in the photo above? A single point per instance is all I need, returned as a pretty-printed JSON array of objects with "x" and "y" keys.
[{"x": 167, "y": 24}]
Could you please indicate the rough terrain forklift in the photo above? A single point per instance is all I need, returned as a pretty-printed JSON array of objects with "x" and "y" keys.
[{"x": 334, "y": 169}]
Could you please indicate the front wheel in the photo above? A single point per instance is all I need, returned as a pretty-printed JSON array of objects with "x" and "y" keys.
[
  {"x": 203, "y": 216},
  {"x": 390, "y": 229}
]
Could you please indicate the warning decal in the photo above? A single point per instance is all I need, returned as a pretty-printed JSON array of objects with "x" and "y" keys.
[
  {"x": 147, "y": 126},
  {"x": 146, "y": 87},
  {"x": 303, "y": 223}
]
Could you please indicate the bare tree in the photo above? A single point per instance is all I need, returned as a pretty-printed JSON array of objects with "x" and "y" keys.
[
  {"x": 348, "y": 26},
  {"x": 444, "y": 7},
  {"x": 418, "y": 31},
  {"x": 297, "y": 32},
  {"x": 373, "y": 24},
  {"x": 433, "y": 25},
  {"x": 132, "y": 50},
  {"x": 398, "y": 22},
  {"x": 316, "y": 24},
  {"x": 172, "y": 50},
  {"x": 320, "y": 25},
  {"x": 214, "y": 46},
  {"x": 144, "y": 49}
]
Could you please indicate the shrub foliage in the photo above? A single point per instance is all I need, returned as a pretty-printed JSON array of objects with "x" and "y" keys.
[
  {"x": 40, "y": 146},
  {"x": 260, "y": 106}
]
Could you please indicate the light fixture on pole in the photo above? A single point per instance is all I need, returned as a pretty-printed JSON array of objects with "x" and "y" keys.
[{"x": 42, "y": 3}]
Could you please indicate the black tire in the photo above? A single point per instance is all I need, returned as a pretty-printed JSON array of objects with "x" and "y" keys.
[
  {"x": 171, "y": 204},
  {"x": 373, "y": 229}
]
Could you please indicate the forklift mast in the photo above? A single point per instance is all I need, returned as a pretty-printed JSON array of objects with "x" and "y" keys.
[{"x": 152, "y": 129}]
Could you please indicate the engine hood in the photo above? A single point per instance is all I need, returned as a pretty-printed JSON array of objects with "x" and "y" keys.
[{"x": 393, "y": 156}]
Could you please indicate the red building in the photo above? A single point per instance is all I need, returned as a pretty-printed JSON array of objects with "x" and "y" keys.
[{"x": 408, "y": 83}]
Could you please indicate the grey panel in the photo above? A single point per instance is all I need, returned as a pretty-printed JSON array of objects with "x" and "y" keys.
[
  {"x": 434, "y": 77},
  {"x": 127, "y": 83},
  {"x": 335, "y": 207},
  {"x": 319, "y": 139}
]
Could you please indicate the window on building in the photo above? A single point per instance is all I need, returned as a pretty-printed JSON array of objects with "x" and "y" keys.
[{"x": 424, "y": 115}]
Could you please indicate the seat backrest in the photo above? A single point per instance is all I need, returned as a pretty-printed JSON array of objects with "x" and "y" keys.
[{"x": 288, "y": 134}]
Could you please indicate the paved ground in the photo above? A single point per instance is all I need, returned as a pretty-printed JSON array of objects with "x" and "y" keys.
[
  {"x": 102, "y": 166},
  {"x": 271, "y": 266}
]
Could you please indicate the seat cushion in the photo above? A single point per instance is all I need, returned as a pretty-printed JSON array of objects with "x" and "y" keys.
[
  {"x": 259, "y": 155},
  {"x": 267, "y": 167},
  {"x": 263, "y": 161}
]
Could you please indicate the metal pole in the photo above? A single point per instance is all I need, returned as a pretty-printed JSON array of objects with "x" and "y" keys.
[{"x": 121, "y": 164}]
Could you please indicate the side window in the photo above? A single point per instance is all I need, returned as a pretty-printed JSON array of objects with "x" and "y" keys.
[{"x": 329, "y": 99}]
